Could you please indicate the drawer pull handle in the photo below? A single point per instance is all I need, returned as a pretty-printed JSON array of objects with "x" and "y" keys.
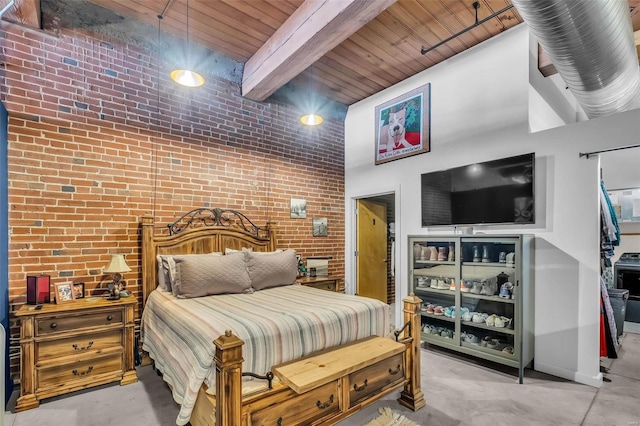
[
  {"x": 77, "y": 373},
  {"x": 109, "y": 318},
  {"x": 76, "y": 348},
  {"x": 360, "y": 388},
  {"x": 279, "y": 422},
  {"x": 326, "y": 404},
  {"x": 53, "y": 325},
  {"x": 394, "y": 372}
]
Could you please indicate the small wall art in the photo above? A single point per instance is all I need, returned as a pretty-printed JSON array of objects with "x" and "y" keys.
[
  {"x": 298, "y": 208},
  {"x": 319, "y": 226},
  {"x": 403, "y": 126}
]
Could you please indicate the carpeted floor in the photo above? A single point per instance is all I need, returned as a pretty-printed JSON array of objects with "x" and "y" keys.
[{"x": 458, "y": 391}]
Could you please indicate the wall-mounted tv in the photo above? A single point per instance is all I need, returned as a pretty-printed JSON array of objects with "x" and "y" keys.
[{"x": 497, "y": 191}]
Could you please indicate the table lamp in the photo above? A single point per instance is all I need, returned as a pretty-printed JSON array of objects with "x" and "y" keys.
[{"x": 117, "y": 265}]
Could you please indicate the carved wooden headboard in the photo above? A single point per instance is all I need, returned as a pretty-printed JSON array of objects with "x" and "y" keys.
[{"x": 199, "y": 231}]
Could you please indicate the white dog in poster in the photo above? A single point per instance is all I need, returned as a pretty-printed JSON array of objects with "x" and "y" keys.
[{"x": 396, "y": 131}]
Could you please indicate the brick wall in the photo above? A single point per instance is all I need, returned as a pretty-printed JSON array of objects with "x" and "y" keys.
[{"x": 95, "y": 141}]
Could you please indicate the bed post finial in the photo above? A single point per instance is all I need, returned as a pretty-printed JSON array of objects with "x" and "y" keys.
[
  {"x": 412, "y": 396},
  {"x": 228, "y": 360}
]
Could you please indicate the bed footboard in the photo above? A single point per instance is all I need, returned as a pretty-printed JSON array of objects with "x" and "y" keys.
[{"x": 323, "y": 401}]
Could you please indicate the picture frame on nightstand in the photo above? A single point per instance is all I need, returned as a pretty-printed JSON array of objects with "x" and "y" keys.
[
  {"x": 64, "y": 292},
  {"x": 78, "y": 291}
]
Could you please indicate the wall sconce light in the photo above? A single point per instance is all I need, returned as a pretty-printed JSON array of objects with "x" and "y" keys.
[
  {"x": 117, "y": 266},
  {"x": 311, "y": 119},
  {"x": 186, "y": 77}
]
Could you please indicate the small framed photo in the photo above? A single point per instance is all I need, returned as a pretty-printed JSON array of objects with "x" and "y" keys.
[
  {"x": 298, "y": 208},
  {"x": 319, "y": 226},
  {"x": 78, "y": 290},
  {"x": 64, "y": 292}
]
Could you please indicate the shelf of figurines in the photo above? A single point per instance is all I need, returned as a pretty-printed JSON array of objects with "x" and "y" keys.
[
  {"x": 480, "y": 320},
  {"x": 506, "y": 291},
  {"x": 489, "y": 344},
  {"x": 428, "y": 263}
]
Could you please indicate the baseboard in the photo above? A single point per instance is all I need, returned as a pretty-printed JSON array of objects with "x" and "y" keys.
[{"x": 574, "y": 376}]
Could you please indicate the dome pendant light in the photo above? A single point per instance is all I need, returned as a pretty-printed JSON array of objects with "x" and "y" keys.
[
  {"x": 311, "y": 119},
  {"x": 186, "y": 77}
]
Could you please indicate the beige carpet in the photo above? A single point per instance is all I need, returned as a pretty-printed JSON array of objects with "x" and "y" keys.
[
  {"x": 390, "y": 418},
  {"x": 459, "y": 391}
]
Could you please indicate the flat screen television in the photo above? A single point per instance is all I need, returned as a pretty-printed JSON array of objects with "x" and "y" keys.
[{"x": 493, "y": 192}]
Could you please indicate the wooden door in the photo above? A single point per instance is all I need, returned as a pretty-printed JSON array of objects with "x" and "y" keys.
[{"x": 371, "y": 246}]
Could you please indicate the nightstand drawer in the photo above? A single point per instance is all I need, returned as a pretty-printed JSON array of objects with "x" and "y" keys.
[
  {"x": 76, "y": 322},
  {"x": 372, "y": 379},
  {"x": 78, "y": 344},
  {"x": 324, "y": 285},
  {"x": 57, "y": 375}
]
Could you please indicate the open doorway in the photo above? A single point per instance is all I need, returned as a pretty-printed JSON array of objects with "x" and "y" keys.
[
  {"x": 375, "y": 247},
  {"x": 620, "y": 176}
]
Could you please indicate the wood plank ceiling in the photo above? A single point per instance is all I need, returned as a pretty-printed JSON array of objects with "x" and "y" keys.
[
  {"x": 374, "y": 55},
  {"x": 383, "y": 52}
]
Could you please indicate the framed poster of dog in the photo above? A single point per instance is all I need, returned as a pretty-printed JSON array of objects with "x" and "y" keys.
[{"x": 403, "y": 125}]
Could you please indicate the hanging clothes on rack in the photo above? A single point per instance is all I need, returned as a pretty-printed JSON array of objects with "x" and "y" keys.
[
  {"x": 608, "y": 328},
  {"x": 609, "y": 235},
  {"x": 608, "y": 216}
]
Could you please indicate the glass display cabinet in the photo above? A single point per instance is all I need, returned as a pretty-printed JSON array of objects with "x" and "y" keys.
[{"x": 477, "y": 295}]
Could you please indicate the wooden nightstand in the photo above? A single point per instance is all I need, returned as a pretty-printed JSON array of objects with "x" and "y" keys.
[
  {"x": 324, "y": 283},
  {"x": 73, "y": 346}
]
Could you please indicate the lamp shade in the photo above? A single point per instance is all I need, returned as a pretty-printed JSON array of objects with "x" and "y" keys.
[{"x": 117, "y": 264}]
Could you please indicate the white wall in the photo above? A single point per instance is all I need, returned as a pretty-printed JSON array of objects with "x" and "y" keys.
[{"x": 480, "y": 109}]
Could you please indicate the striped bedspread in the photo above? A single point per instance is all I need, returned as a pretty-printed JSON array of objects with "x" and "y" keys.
[{"x": 277, "y": 325}]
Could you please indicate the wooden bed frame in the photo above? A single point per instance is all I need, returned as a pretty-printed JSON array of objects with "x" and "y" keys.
[{"x": 214, "y": 230}]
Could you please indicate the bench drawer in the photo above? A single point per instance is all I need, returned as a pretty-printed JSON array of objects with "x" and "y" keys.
[
  {"x": 372, "y": 379},
  {"x": 302, "y": 409}
]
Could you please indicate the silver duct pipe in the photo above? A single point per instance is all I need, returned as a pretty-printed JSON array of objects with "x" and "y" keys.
[{"x": 591, "y": 44}]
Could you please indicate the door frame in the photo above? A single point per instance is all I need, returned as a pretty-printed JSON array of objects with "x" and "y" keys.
[{"x": 351, "y": 240}]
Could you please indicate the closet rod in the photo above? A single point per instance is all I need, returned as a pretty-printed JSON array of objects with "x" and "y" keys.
[{"x": 587, "y": 154}]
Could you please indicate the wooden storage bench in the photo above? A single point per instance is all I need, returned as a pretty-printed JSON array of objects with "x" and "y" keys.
[{"x": 335, "y": 383}]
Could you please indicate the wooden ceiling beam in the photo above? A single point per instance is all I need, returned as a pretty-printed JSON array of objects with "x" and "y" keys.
[
  {"x": 25, "y": 12},
  {"x": 547, "y": 68},
  {"x": 314, "y": 29}
]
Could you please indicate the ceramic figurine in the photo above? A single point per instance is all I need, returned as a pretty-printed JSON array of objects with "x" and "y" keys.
[
  {"x": 434, "y": 253},
  {"x": 485, "y": 254},
  {"x": 442, "y": 253},
  {"x": 417, "y": 252},
  {"x": 476, "y": 254}
]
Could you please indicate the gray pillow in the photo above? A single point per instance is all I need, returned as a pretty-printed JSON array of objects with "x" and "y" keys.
[
  {"x": 164, "y": 280},
  {"x": 272, "y": 269},
  {"x": 203, "y": 274}
]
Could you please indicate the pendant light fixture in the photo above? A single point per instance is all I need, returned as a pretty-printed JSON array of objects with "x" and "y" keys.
[
  {"x": 311, "y": 119},
  {"x": 187, "y": 77}
]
